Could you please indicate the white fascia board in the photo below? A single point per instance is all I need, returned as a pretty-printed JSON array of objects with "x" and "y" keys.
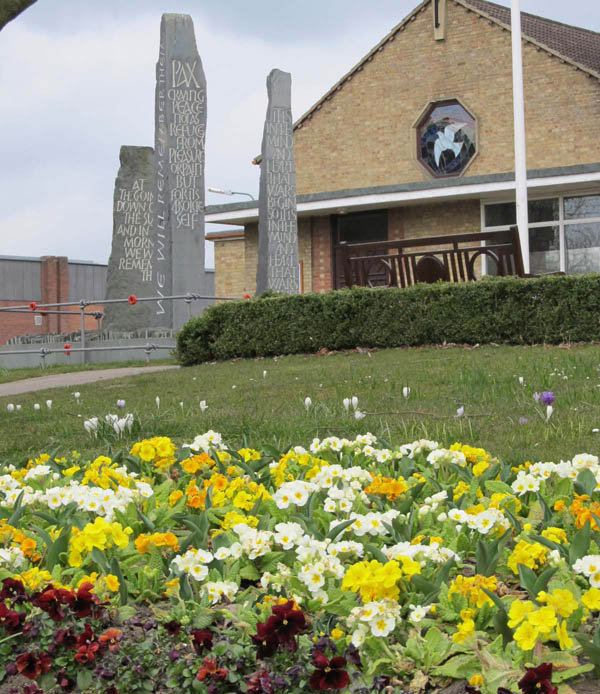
[{"x": 375, "y": 200}]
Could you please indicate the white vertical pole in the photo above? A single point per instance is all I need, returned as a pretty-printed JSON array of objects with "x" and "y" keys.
[{"x": 519, "y": 126}]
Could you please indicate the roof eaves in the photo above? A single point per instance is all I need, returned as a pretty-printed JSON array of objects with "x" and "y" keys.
[{"x": 528, "y": 38}]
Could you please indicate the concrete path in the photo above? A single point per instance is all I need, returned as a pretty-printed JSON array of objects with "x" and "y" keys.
[{"x": 75, "y": 378}]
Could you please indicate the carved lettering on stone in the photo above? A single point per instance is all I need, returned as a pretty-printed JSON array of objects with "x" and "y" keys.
[{"x": 278, "y": 224}]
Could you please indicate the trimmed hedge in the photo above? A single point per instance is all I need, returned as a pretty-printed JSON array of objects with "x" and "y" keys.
[{"x": 512, "y": 310}]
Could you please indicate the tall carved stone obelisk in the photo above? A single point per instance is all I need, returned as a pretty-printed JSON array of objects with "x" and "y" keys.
[
  {"x": 130, "y": 266},
  {"x": 180, "y": 148},
  {"x": 277, "y": 219}
]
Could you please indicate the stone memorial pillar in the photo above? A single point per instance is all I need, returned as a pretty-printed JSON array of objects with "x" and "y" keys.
[
  {"x": 130, "y": 268},
  {"x": 277, "y": 220},
  {"x": 179, "y": 144}
]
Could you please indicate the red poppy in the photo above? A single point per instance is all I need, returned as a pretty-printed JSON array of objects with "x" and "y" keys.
[
  {"x": 50, "y": 601},
  {"x": 173, "y": 627},
  {"x": 11, "y": 589},
  {"x": 66, "y": 638},
  {"x": 538, "y": 680},
  {"x": 32, "y": 665},
  {"x": 32, "y": 305},
  {"x": 132, "y": 299},
  {"x": 246, "y": 296},
  {"x": 64, "y": 681},
  {"x": 210, "y": 670},
  {"x": 265, "y": 641},
  {"x": 110, "y": 639},
  {"x": 202, "y": 639},
  {"x": 11, "y": 620},
  {"x": 67, "y": 349},
  {"x": 285, "y": 622},
  {"x": 329, "y": 674},
  {"x": 260, "y": 683},
  {"x": 86, "y": 603}
]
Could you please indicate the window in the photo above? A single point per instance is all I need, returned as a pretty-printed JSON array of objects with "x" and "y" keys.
[
  {"x": 564, "y": 232},
  {"x": 446, "y": 138}
]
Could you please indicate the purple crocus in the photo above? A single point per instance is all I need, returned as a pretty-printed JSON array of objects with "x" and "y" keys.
[{"x": 547, "y": 398}]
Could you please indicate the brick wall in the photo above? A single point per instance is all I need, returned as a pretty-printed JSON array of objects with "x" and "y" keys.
[
  {"x": 363, "y": 135},
  {"x": 321, "y": 253},
  {"x": 229, "y": 268}
]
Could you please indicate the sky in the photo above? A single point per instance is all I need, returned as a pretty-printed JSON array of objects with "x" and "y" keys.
[{"x": 77, "y": 81}]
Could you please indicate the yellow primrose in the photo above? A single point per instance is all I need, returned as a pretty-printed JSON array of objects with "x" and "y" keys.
[
  {"x": 544, "y": 619},
  {"x": 564, "y": 640},
  {"x": 518, "y": 612},
  {"x": 591, "y": 599},
  {"x": 112, "y": 583},
  {"x": 464, "y": 630},
  {"x": 561, "y": 600},
  {"x": 526, "y": 636},
  {"x": 557, "y": 535}
]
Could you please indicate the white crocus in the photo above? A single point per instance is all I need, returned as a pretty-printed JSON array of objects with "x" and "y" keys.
[
  {"x": 406, "y": 391},
  {"x": 346, "y": 403},
  {"x": 48, "y": 404},
  {"x": 203, "y": 405},
  {"x": 307, "y": 403}
]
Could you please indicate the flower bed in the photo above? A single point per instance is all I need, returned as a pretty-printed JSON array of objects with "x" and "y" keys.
[{"x": 348, "y": 566}]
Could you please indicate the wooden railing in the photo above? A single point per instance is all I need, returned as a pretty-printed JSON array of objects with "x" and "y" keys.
[{"x": 452, "y": 258}]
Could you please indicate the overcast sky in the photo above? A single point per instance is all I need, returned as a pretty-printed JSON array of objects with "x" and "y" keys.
[{"x": 77, "y": 82}]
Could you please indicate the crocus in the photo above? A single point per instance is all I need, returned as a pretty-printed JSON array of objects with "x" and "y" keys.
[
  {"x": 521, "y": 380},
  {"x": 10, "y": 407},
  {"x": 264, "y": 374},
  {"x": 359, "y": 415},
  {"x": 157, "y": 401},
  {"x": 547, "y": 398},
  {"x": 307, "y": 403},
  {"x": 120, "y": 403},
  {"x": 460, "y": 412},
  {"x": 406, "y": 391},
  {"x": 549, "y": 411},
  {"x": 346, "y": 403},
  {"x": 48, "y": 404},
  {"x": 76, "y": 395},
  {"x": 36, "y": 406},
  {"x": 354, "y": 401},
  {"x": 203, "y": 405}
]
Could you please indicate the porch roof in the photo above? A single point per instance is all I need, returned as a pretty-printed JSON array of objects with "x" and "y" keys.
[{"x": 552, "y": 181}]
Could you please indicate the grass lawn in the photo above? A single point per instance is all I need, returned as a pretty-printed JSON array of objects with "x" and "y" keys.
[{"x": 249, "y": 408}]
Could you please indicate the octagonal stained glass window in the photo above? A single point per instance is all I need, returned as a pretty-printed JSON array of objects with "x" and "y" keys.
[{"x": 446, "y": 136}]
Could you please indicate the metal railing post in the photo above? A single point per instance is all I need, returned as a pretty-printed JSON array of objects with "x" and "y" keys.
[{"x": 82, "y": 309}]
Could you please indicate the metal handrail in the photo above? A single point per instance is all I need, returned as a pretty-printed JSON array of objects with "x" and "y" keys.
[{"x": 34, "y": 307}]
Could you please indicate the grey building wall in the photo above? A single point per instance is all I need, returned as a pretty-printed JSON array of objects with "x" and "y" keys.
[
  {"x": 86, "y": 280},
  {"x": 20, "y": 279}
]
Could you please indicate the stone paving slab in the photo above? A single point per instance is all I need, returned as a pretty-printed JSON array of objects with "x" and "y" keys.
[{"x": 76, "y": 378}]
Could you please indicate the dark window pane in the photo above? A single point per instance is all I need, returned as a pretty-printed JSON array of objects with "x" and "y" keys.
[
  {"x": 582, "y": 207},
  {"x": 543, "y": 210},
  {"x": 543, "y": 250},
  {"x": 503, "y": 214},
  {"x": 583, "y": 248},
  {"x": 363, "y": 227}
]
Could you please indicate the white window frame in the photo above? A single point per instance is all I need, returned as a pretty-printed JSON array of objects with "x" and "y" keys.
[{"x": 561, "y": 222}]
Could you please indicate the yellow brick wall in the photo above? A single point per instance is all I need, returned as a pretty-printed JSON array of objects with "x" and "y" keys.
[
  {"x": 438, "y": 219},
  {"x": 251, "y": 255},
  {"x": 229, "y": 268},
  {"x": 363, "y": 135}
]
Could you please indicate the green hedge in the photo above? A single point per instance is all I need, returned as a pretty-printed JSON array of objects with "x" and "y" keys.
[{"x": 503, "y": 310}]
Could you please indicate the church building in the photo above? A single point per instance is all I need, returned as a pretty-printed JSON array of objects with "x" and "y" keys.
[{"x": 417, "y": 140}]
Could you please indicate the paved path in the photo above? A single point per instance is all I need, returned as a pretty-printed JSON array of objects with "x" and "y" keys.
[{"x": 75, "y": 378}]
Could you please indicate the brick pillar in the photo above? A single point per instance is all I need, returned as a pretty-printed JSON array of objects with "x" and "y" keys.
[
  {"x": 321, "y": 254},
  {"x": 55, "y": 289}
]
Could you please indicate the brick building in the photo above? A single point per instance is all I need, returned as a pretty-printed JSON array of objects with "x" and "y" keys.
[
  {"x": 47, "y": 280},
  {"x": 417, "y": 140}
]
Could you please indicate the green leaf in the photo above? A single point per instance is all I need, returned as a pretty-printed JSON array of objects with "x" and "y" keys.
[
  {"x": 585, "y": 482},
  {"x": 543, "y": 580},
  {"x": 339, "y": 529},
  {"x": 528, "y": 579},
  {"x": 377, "y": 553},
  {"x": 249, "y": 572},
  {"x": 482, "y": 558},
  {"x": 592, "y": 651},
  {"x": 547, "y": 512},
  {"x": 59, "y": 546},
  {"x": 17, "y": 510},
  {"x": 150, "y": 527},
  {"x": 580, "y": 544},
  {"x": 116, "y": 570},
  {"x": 562, "y": 675},
  {"x": 84, "y": 679}
]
